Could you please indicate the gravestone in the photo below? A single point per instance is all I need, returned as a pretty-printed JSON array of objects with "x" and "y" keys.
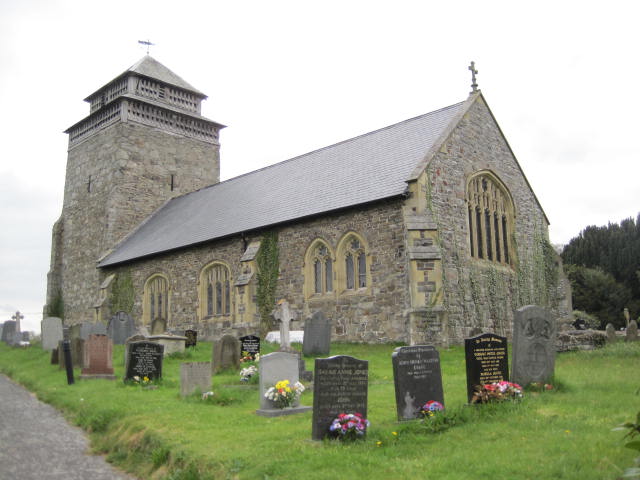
[
  {"x": 611, "y": 333},
  {"x": 487, "y": 360},
  {"x": 534, "y": 350},
  {"x": 158, "y": 326},
  {"x": 283, "y": 314},
  {"x": 74, "y": 331},
  {"x": 54, "y": 356},
  {"x": 87, "y": 329},
  {"x": 226, "y": 353},
  {"x": 98, "y": 357},
  {"x": 1, "y": 327},
  {"x": 144, "y": 360},
  {"x": 193, "y": 376},
  {"x": 317, "y": 335},
  {"x": 250, "y": 344},
  {"x": 417, "y": 379},
  {"x": 134, "y": 338},
  {"x": 26, "y": 337},
  {"x": 171, "y": 343},
  {"x": 632, "y": 332},
  {"x": 120, "y": 328},
  {"x": 76, "y": 347},
  {"x": 9, "y": 332},
  {"x": 192, "y": 338},
  {"x": 273, "y": 368},
  {"x": 340, "y": 386},
  {"x": 51, "y": 332}
]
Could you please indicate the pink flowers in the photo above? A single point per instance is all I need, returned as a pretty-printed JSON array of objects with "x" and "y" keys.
[
  {"x": 496, "y": 392},
  {"x": 429, "y": 408},
  {"x": 349, "y": 426}
]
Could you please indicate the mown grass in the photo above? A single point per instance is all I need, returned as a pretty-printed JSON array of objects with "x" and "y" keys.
[{"x": 562, "y": 434}]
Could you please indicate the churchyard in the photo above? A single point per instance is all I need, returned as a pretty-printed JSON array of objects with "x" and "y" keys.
[{"x": 165, "y": 429}]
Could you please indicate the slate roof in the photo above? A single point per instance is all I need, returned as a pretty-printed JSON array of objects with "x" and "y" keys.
[{"x": 354, "y": 172}]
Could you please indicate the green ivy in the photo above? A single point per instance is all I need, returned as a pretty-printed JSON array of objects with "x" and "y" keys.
[
  {"x": 122, "y": 293},
  {"x": 268, "y": 263},
  {"x": 55, "y": 308}
]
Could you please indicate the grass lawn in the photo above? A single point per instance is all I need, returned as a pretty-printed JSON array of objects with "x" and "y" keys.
[{"x": 565, "y": 433}]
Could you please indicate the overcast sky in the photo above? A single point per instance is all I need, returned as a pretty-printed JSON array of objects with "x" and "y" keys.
[{"x": 288, "y": 77}]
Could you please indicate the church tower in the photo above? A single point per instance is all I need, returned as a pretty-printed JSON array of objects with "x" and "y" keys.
[{"x": 143, "y": 142}]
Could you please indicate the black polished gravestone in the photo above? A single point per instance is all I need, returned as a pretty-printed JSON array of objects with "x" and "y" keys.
[
  {"x": 144, "y": 360},
  {"x": 340, "y": 386},
  {"x": 250, "y": 344},
  {"x": 417, "y": 379},
  {"x": 192, "y": 338},
  {"x": 487, "y": 360}
]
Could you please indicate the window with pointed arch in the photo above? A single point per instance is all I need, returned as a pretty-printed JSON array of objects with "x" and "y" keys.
[
  {"x": 354, "y": 269},
  {"x": 215, "y": 291},
  {"x": 318, "y": 269},
  {"x": 490, "y": 218},
  {"x": 155, "y": 304}
]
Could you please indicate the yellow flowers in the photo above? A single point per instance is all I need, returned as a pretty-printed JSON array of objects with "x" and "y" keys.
[
  {"x": 283, "y": 386},
  {"x": 395, "y": 434}
]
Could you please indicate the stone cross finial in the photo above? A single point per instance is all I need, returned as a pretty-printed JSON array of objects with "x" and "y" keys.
[
  {"x": 283, "y": 314},
  {"x": 474, "y": 72},
  {"x": 17, "y": 317},
  {"x": 147, "y": 43}
]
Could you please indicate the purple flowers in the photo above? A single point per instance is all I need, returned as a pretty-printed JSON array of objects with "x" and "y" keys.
[
  {"x": 428, "y": 409},
  {"x": 349, "y": 425}
]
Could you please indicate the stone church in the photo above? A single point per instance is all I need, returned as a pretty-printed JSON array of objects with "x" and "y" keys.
[{"x": 423, "y": 231}]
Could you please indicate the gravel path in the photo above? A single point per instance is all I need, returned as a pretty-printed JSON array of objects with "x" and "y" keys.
[{"x": 36, "y": 442}]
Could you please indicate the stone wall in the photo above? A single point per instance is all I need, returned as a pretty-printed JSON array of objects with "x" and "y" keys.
[
  {"x": 375, "y": 314},
  {"x": 114, "y": 180}
]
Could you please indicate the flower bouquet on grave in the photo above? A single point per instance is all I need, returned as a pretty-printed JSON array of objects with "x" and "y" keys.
[
  {"x": 247, "y": 373},
  {"x": 430, "y": 408},
  {"x": 349, "y": 426},
  {"x": 283, "y": 394},
  {"x": 496, "y": 392}
]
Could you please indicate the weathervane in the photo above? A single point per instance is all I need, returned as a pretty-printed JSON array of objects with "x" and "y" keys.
[
  {"x": 474, "y": 72},
  {"x": 148, "y": 44}
]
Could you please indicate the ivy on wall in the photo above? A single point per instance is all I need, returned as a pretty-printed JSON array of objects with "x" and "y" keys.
[
  {"x": 122, "y": 294},
  {"x": 56, "y": 306},
  {"x": 268, "y": 263}
]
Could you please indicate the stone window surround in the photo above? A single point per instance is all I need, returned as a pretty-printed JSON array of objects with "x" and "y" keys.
[
  {"x": 486, "y": 196},
  {"x": 203, "y": 284},
  {"x": 311, "y": 258},
  {"x": 146, "y": 303}
]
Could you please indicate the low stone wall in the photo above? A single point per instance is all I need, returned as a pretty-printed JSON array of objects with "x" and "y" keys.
[{"x": 571, "y": 340}]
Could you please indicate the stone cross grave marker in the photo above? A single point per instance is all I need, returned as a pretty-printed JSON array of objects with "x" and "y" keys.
[
  {"x": 317, "y": 335},
  {"x": 340, "y": 386},
  {"x": 273, "y": 368},
  {"x": 250, "y": 344},
  {"x": 417, "y": 379},
  {"x": 632, "y": 332},
  {"x": 226, "y": 353},
  {"x": 487, "y": 360},
  {"x": 120, "y": 328},
  {"x": 8, "y": 332},
  {"x": 192, "y": 338},
  {"x": 18, "y": 317},
  {"x": 534, "y": 345},
  {"x": 51, "y": 332},
  {"x": 195, "y": 376},
  {"x": 98, "y": 357},
  {"x": 283, "y": 315},
  {"x": 144, "y": 360},
  {"x": 611, "y": 333}
]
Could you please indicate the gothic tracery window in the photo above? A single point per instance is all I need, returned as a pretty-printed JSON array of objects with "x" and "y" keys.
[
  {"x": 215, "y": 291},
  {"x": 490, "y": 219},
  {"x": 320, "y": 259},
  {"x": 156, "y": 299},
  {"x": 352, "y": 253}
]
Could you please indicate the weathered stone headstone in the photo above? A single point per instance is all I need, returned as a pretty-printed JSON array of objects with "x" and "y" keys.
[
  {"x": 534, "y": 349},
  {"x": 193, "y": 376},
  {"x": 317, "y": 335},
  {"x": 192, "y": 338},
  {"x": 9, "y": 332},
  {"x": 98, "y": 357},
  {"x": 611, "y": 333},
  {"x": 273, "y": 368},
  {"x": 171, "y": 343},
  {"x": 632, "y": 332},
  {"x": 158, "y": 326},
  {"x": 226, "y": 353},
  {"x": 26, "y": 337},
  {"x": 87, "y": 329},
  {"x": 417, "y": 378},
  {"x": 487, "y": 360},
  {"x": 340, "y": 386},
  {"x": 144, "y": 360},
  {"x": 283, "y": 314},
  {"x": 250, "y": 344},
  {"x": 120, "y": 328}
]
